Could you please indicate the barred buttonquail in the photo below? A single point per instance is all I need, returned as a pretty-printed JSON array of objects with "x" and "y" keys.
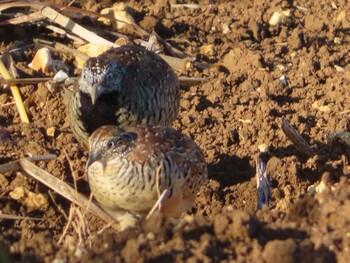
[
  {"x": 123, "y": 86},
  {"x": 130, "y": 167}
]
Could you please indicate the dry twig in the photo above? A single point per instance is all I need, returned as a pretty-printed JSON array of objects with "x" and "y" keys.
[
  {"x": 71, "y": 168},
  {"x": 296, "y": 139},
  {"x": 15, "y": 93}
]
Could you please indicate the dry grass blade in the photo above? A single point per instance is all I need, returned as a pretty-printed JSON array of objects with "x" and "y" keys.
[
  {"x": 296, "y": 139},
  {"x": 15, "y": 93},
  {"x": 73, "y": 27},
  {"x": 24, "y": 81},
  {"x": 63, "y": 189},
  {"x": 14, "y": 166},
  {"x": 158, "y": 204},
  {"x": 12, "y": 217},
  {"x": 192, "y": 81},
  {"x": 76, "y": 220},
  {"x": 36, "y": 16},
  {"x": 190, "y": 6},
  {"x": 69, "y": 222}
]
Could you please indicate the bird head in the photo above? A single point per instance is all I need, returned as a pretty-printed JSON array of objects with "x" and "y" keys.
[
  {"x": 100, "y": 76},
  {"x": 109, "y": 141}
]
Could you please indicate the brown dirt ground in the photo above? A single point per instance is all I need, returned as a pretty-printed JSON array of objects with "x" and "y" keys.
[{"x": 239, "y": 108}]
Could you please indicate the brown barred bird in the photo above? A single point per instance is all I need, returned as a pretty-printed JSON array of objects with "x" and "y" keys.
[
  {"x": 132, "y": 168},
  {"x": 123, "y": 86}
]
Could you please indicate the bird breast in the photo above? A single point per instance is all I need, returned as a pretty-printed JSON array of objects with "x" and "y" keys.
[{"x": 130, "y": 185}]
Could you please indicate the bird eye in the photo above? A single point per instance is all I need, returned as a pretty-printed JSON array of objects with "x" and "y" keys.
[
  {"x": 123, "y": 141},
  {"x": 111, "y": 144}
]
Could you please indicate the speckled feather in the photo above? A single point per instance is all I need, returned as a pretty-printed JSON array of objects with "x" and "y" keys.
[
  {"x": 139, "y": 88},
  {"x": 125, "y": 176}
]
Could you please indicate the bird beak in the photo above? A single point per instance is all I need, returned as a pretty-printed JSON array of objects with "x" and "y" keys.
[
  {"x": 92, "y": 158},
  {"x": 89, "y": 161},
  {"x": 95, "y": 93},
  {"x": 95, "y": 159}
]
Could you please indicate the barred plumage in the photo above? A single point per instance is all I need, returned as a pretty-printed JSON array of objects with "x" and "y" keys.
[
  {"x": 123, "y": 86},
  {"x": 129, "y": 167}
]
